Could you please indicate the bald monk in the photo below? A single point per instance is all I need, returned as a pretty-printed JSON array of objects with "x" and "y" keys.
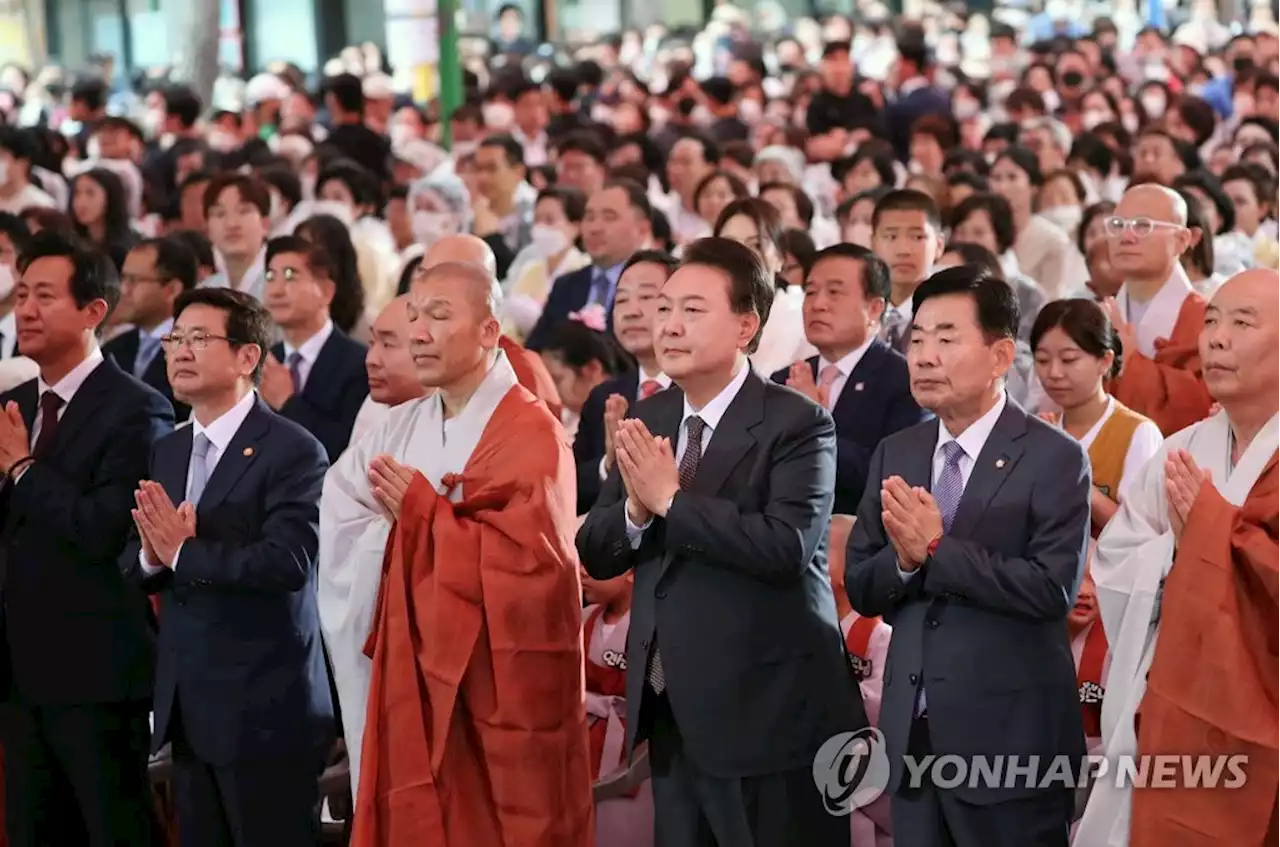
[
  {"x": 392, "y": 378},
  {"x": 530, "y": 371},
  {"x": 1157, "y": 314},
  {"x": 1193, "y": 666},
  {"x": 475, "y": 727}
]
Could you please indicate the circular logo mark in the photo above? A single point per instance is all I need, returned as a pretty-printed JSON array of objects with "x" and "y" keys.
[{"x": 851, "y": 770}]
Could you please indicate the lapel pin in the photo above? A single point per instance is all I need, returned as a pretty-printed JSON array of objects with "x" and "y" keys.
[
  {"x": 999, "y": 463},
  {"x": 857, "y": 386},
  {"x": 248, "y": 451}
]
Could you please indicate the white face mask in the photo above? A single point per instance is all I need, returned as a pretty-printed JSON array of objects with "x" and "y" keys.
[
  {"x": 7, "y": 281},
  {"x": 1065, "y": 218},
  {"x": 749, "y": 111},
  {"x": 1093, "y": 118},
  {"x": 1130, "y": 123},
  {"x": 860, "y": 234},
  {"x": 966, "y": 109},
  {"x": 1051, "y": 101},
  {"x": 430, "y": 227},
  {"x": 548, "y": 241},
  {"x": 701, "y": 116},
  {"x": 498, "y": 116},
  {"x": 1154, "y": 105},
  {"x": 401, "y": 133},
  {"x": 659, "y": 116}
]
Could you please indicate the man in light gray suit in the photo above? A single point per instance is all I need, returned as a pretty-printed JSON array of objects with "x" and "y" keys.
[{"x": 970, "y": 541}]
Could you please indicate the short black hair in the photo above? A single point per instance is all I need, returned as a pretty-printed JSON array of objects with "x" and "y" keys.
[
  {"x": 571, "y": 200},
  {"x": 348, "y": 91},
  {"x": 1209, "y": 185},
  {"x": 18, "y": 143},
  {"x": 979, "y": 183},
  {"x": 585, "y": 143},
  {"x": 16, "y": 229},
  {"x": 1086, "y": 323},
  {"x": 248, "y": 321},
  {"x": 976, "y": 254},
  {"x": 174, "y": 259},
  {"x": 92, "y": 92},
  {"x": 183, "y": 103},
  {"x": 363, "y": 185},
  {"x": 1093, "y": 151},
  {"x": 199, "y": 245},
  {"x": 998, "y": 212},
  {"x": 994, "y": 301},
  {"x": 285, "y": 181},
  {"x": 1025, "y": 161},
  {"x": 564, "y": 83},
  {"x": 652, "y": 257},
  {"x": 637, "y": 197},
  {"x": 1257, "y": 176},
  {"x": 93, "y": 274},
  {"x": 881, "y": 160},
  {"x": 767, "y": 221},
  {"x": 710, "y": 149},
  {"x": 804, "y": 205},
  {"x": 513, "y": 150},
  {"x": 875, "y": 273},
  {"x": 252, "y": 190},
  {"x": 907, "y": 200},
  {"x": 751, "y": 287}
]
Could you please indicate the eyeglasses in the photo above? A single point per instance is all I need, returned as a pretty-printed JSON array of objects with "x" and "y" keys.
[
  {"x": 287, "y": 274},
  {"x": 1140, "y": 227},
  {"x": 197, "y": 340}
]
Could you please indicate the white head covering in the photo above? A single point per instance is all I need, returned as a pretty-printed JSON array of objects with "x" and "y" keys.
[
  {"x": 378, "y": 87},
  {"x": 450, "y": 188},
  {"x": 264, "y": 87},
  {"x": 420, "y": 153},
  {"x": 789, "y": 157}
]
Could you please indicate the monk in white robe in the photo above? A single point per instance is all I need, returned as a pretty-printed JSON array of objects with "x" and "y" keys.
[
  {"x": 1186, "y": 576},
  {"x": 392, "y": 379}
]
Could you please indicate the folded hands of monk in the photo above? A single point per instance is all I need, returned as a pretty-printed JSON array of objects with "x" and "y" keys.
[
  {"x": 390, "y": 480},
  {"x": 648, "y": 467},
  {"x": 1182, "y": 482}
]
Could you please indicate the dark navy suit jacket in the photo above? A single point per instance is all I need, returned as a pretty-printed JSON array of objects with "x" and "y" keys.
[
  {"x": 588, "y": 444},
  {"x": 902, "y": 114},
  {"x": 333, "y": 394},
  {"x": 875, "y": 402},
  {"x": 239, "y": 648},
  {"x": 568, "y": 294},
  {"x": 124, "y": 349}
]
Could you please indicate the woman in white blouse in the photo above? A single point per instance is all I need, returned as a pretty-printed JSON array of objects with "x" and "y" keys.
[
  {"x": 1076, "y": 350},
  {"x": 557, "y": 223},
  {"x": 757, "y": 224}
]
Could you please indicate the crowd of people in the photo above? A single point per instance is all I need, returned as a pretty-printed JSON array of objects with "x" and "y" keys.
[{"x": 577, "y": 480}]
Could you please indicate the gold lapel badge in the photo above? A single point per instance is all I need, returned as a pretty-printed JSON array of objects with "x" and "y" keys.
[{"x": 248, "y": 451}]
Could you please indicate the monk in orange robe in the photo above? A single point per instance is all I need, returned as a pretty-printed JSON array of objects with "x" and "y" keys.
[
  {"x": 1157, "y": 314},
  {"x": 476, "y": 726},
  {"x": 530, "y": 371},
  {"x": 1193, "y": 550}
]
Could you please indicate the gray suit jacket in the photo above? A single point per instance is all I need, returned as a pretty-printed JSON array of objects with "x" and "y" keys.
[
  {"x": 733, "y": 586},
  {"x": 983, "y": 622}
]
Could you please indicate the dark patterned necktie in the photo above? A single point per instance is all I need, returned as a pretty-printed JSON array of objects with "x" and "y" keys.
[
  {"x": 695, "y": 426},
  {"x": 50, "y": 403}
]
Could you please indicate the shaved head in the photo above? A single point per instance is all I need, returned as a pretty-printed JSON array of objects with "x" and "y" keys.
[
  {"x": 1153, "y": 201},
  {"x": 463, "y": 249},
  {"x": 1238, "y": 345},
  {"x": 453, "y": 328},
  {"x": 392, "y": 377},
  {"x": 394, "y": 316}
]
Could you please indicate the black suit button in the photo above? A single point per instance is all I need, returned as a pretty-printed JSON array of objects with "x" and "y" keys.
[
  {"x": 660, "y": 593},
  {"x": 914, "y": 678},
  {"x": 644, "y": 644}
]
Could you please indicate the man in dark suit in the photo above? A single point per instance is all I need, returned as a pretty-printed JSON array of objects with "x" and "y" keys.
[
  {"x": 155, "y": 272},
  {"x": 77, "y": 655},
  {"x": 917, "y": 95},
  {"x": 616, "y": 225},
  {"x": 634, "y": 309},
  {"x": 317, "y": 377},
  {"x": 855, "y": 376},
  {"x": 970, "y": 540},
  {"x": 719, "y": 501},
  {"x": 241, "y": 689}
]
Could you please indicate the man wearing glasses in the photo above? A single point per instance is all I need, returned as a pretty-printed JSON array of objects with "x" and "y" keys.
[
  {"x": 227, "y": 536},
  {"x": 1157, "y": 314},
  {"x": 155, "y": 273}
]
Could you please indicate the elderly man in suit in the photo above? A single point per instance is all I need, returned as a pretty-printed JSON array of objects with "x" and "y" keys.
[
  {"x": 719, "y": 502},
  {"x": 970, "y": 541},
  {"x": 860, "y": 379}
]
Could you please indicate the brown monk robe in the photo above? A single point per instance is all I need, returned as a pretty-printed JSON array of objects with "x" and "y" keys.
[
  {"x": 1169, "y": 388},
  {"x": 532, "y": 373},
  {"x": 476, "y": 730},
  {"x": 1224, "y": 579}
]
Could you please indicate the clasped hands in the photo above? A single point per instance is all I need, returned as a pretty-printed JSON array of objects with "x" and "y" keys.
[
  {"x": 15, "y": 439},
  {"x": 911, "y": 519},
  {"x": 647, "y": 464},
  {"x": 162, "y": 526},
  {"x": 1183, "y": 480},
  {"x": 390, "y": 480}
]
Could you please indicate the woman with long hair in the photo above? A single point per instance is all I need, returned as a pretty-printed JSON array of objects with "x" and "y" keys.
[
  {"x": 347, "y": 308},
  {"x": 99, "y": 211}
]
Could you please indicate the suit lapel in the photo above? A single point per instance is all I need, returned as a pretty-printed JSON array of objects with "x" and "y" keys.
[
  {"x": 27, "y": 396},
  {"x": 85, "y": 403},
  {"x": 813, "y": 367},
  {"x": 993, "y": 466},
  {"x": 732, "y": 439},
  {"x": 318, "y": 390},
  {"x": 173, "y": 467},
  {"x": 864, "y": 373},
  {"x": 242, "y": 452}
]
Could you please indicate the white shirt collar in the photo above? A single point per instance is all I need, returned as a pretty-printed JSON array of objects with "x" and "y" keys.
[
  {"x": 67, "y": 387},
  {"x": 224, "y": 428},
  {"x": 848, "y": 362},
  {"x": 903, "y": 308},
  {"x": 660, "y": 378},
  {"x": 973, "y": 438},
  {"x": 715, "y": 409},
  {"x": 310, "y": 348}
]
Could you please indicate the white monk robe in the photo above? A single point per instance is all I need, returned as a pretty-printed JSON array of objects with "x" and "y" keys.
[
  {"x": 354, "y": 528},
  {"x": 1133, "y": 556}
]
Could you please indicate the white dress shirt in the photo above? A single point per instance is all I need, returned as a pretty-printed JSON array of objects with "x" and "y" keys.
[
  {"x": 308, "y": 351},
  {"x": 711, "y": 415},
  {"x": 8, "y": 335},
  {"x": 845, "y": 368},
  {"x": 219, "y": 432},
  {"x": 65, "y": 388}
]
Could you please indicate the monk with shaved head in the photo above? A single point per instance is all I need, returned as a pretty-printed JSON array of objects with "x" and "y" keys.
[
  {"x": 1156, "y": 313},
  {"x": 453, "y": 521},
  {"x": 392, "y": 377},
  {"x": 530, "y": 370},
  {"x": 1192, "y": 555}
]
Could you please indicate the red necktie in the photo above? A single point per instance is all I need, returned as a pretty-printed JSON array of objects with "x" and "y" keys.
[
  {"x": 649, "y": 388},
  {"x": 50, "y": 403}
]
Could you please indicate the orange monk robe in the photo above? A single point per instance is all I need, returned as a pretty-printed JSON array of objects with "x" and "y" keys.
[
  {"x": 1169, "y": 389},
  {"x": 532, "y": 374},
  {"x": 1212, "y": 688},
  {"x": 476, "y": 729}
]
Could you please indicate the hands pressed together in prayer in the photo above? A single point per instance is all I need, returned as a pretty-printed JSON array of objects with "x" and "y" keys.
[
  {"x": 647, "y": 464},
  {"x": 390, "y": 480},
  {"x": 911, "y": 519},
  {"x": 800, "y": 377},
  {"x": 615, "y": 410},
  {"x": 277, "y": 383},
  {"x": 1182, "y": 483},
  {"x": 15, "y": 439},
  {"x": 162, "y": 526}
]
